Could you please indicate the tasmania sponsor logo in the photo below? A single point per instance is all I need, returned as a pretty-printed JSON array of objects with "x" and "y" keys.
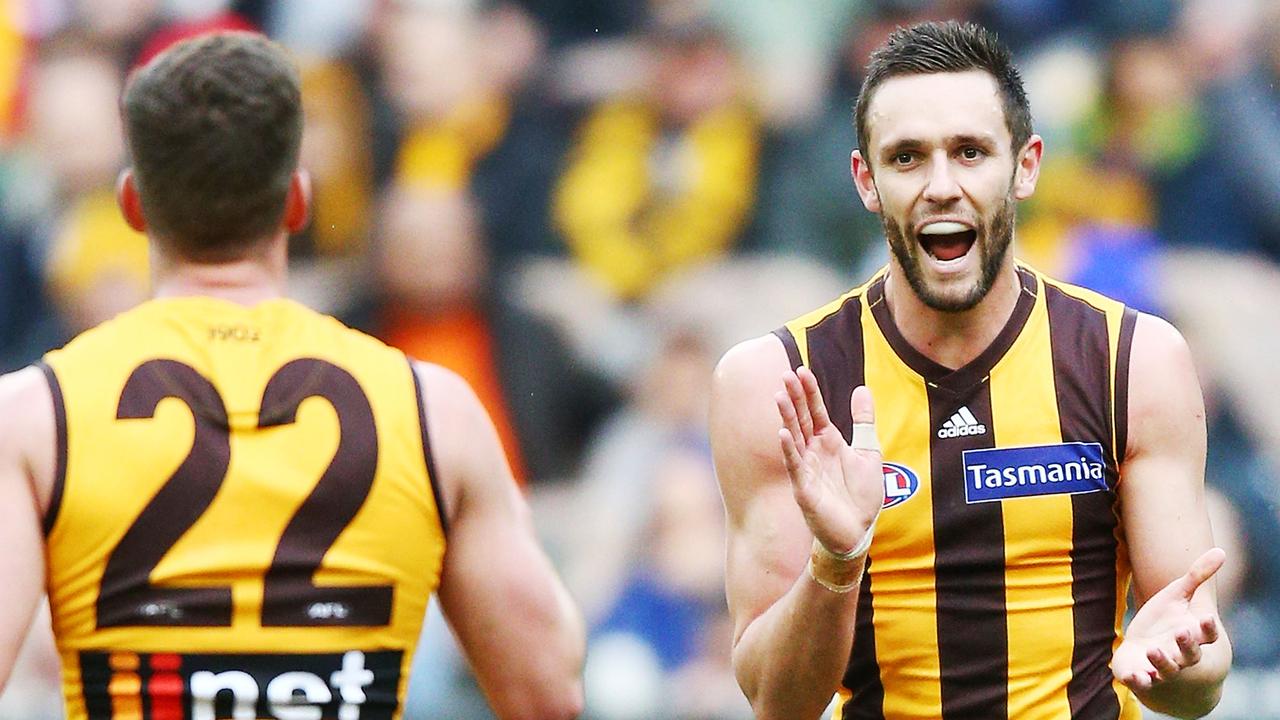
[
  {"x": 353, "y": 685},
  {"x": 1003, "y": 473},
  {"x": 900, "y": 483}
]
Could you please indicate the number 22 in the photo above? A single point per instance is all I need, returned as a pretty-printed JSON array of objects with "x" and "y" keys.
[{"x": 290, "y": 597}]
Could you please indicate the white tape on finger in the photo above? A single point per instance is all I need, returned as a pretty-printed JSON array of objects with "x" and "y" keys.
[{"x": 864, "y": 437}]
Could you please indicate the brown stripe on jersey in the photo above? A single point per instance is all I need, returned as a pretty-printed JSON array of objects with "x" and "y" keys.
[
  {"x": 862, "y": 674},
  {"x": 433, "y": 478},
  {"x": 1127, "y": 323},
  {"x": 836, "y": 358},
  {"x": 1080, "y": 345},
  {"x": 60, "y": 447},
  {"x": 969, "y": 567},
  {"x": 789, "y": 342},
  {"x": 95, "y": 680}
]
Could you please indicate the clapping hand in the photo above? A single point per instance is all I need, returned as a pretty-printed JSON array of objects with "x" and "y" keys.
[{"x": 1165, "y": 636}]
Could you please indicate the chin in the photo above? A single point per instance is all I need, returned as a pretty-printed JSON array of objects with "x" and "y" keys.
[{"x": 953, "y": 299}]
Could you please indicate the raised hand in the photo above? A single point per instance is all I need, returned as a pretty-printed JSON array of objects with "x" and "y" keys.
[
  {"x": 1165, "y": 636},
  {"x": 839, "y": 488}
]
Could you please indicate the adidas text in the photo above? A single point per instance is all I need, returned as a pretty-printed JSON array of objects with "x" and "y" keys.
[
  {"x": 962, "y": 423},
  {"x": 963, "y": 430}
]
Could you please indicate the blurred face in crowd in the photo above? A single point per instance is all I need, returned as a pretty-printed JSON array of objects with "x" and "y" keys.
[
  {"x": 688, "y": 525},
  {"x": 693, "y": 76},
  {"x": 940, "y": 171},
  {"x": 432, "y": 255},
  {"x": 428, "y": 58},
  {"x": 75, "y": 122}
]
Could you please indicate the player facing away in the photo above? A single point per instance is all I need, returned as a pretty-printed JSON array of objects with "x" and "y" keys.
[
  {"x": 964, "y": 550},
  {"x": 240, "y": 507}
]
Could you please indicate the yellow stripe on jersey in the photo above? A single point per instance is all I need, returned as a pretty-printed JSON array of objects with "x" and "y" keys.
[
  {"x": 902, "y": 584},
  {"x": 1037, "y": 532}
]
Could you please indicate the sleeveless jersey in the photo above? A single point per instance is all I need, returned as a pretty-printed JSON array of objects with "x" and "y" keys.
[
  {"x": 244, "y": 522},
  {"x": 995, "y": 586}
]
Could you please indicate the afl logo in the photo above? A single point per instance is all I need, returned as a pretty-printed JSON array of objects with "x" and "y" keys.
[{"x": 900, "y": 483}]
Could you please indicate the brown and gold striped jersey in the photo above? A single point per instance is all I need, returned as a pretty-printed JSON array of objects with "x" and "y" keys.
[
  {"x": 996, "y": 583},
  {"x": 244, "y": 522}
]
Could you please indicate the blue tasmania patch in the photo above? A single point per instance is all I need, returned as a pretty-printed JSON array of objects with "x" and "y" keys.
[{"x": 1064, "y": 469}]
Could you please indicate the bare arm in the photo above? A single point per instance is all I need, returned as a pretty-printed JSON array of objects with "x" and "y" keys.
[
  {"x": 787, "y": 476},
  {"x": 1176, "y": 653},
  {"x": 26, "y": 473},
  {"x": 515, "y": 621}
]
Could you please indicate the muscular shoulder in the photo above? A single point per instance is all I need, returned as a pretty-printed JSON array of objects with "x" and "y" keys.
[
  {"x": 749, "y": 363},
  {"x": 1165, "y": 400},
  {"x": 445, "y": 388},
  {"x": 468, "y": 453},
  {"x": 744, "y": 416},
  {"x": 28, "y": 428}
]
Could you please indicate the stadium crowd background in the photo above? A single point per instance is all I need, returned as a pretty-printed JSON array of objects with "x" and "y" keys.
[{"x": 579, "y": 204}]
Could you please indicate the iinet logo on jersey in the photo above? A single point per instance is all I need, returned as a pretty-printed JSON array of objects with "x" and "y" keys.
[
  {"x": 353, "y": 685},
  {"x": 961, "y": 423}
]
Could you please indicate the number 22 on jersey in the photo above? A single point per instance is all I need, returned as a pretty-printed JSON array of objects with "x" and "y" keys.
[{"x": 128, "y": 598}]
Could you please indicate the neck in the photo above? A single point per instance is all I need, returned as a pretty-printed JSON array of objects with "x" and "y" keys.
[
  {"x": 258, "y": 276},
  {"x": 952, "y": 339}
]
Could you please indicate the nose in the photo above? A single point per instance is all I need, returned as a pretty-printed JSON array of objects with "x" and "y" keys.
[{"x": 941, "y": 186}]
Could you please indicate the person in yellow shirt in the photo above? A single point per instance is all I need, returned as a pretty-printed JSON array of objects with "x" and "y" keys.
[
  {"x": 963, "y": 546},
  {"x": 236, "y": 502}
]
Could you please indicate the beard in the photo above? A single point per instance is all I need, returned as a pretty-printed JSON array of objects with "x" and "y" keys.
[{"x": 992, "y": 241}]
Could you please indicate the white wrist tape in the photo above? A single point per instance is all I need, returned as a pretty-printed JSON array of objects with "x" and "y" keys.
[
  {"x": 858, "y": 550},
  {"x": 836, "y": 571}
]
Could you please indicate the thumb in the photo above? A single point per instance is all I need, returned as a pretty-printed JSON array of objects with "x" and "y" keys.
[
  {"x": 862, "y": 411},
  {"x": 861, "y": 408},
  {"x": 1201, "y": 570}
]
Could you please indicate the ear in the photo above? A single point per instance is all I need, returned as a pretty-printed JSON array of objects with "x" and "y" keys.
[
  {"x": 864, "y": 181},
  {"x": 297, "y": 204},
  {"x": 129, "y": 201},
  {"x": 1028, "y": 170}
]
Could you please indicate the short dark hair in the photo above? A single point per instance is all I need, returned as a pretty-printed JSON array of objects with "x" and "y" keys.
[
  {"x": 214, "y": 126},
  {"x": 940, "y": 47}
]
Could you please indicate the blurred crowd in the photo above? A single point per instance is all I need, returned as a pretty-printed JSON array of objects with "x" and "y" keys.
[{"x": 579, "y": 204}]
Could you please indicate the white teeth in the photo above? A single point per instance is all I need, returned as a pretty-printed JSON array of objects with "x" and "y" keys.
[{"x": 943, "y": 228}]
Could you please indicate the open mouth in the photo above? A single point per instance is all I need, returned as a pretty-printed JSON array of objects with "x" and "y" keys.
[{"x": 947, "y": 240}]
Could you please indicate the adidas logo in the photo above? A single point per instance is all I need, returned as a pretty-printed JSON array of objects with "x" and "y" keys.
[{"x": 962, "y": 423}]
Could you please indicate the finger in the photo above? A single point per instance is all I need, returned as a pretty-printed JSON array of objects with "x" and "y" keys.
[
  {"x": 1201, "y": 570},
  {"x": 788, "y": 412},
  {"x": 813, "y": 394},
  {"x": 861, "y": 407},
  {"x": 801, "y": 404},
  {"x": 1188, "y": 648},
  {"x": 1208, "y": 630},
  {"x": 1164, "y": 665},
  {"x": 863, "y": 413},
  {"x": 1139, "y": 680},
  {"x": 791, "y": 457}
]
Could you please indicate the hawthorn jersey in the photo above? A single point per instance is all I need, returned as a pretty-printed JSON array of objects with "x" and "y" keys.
[
  {"x": 244, "y": 522},
  {"x": 996, "y": 583}
]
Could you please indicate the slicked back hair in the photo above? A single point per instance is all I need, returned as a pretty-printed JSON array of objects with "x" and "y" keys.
[
  {"x": 214, "y": 126},
  {"x": 943, "y": 47}
]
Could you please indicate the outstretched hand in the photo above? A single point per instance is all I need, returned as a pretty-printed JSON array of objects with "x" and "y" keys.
[
  {"x": 1165, "y": 636},
  {"x": 839, "y": 488}
]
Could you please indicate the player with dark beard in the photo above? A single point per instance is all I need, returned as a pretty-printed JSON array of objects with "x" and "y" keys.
[{"x": 965, "y": 549}]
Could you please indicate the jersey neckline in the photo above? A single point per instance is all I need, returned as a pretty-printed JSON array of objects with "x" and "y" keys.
[{"x": 975, "y": 371}]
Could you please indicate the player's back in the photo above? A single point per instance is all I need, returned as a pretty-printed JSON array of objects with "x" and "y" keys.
[{"x": 243, "y": 522}]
